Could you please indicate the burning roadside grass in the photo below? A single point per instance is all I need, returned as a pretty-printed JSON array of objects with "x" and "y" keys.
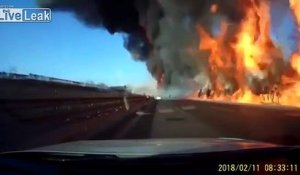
[{"x": 250, "y": 68}]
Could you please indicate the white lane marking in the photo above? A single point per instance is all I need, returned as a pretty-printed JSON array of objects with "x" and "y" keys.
[
  {"x": 165, "y": 111},
  {"x": 142, "y": 113},
  {"x": 230, "y": 138},
  {"x": 188, "y": 108}
]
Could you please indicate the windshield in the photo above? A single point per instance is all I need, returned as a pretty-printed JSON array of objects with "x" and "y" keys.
[{"x": 151, "y": 69}]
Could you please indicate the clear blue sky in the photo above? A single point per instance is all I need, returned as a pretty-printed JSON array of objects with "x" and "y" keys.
[{"x": 66, "y": 48}]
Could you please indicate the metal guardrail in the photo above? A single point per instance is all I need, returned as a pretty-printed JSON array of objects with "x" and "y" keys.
[{"x": 70, "y": 99}]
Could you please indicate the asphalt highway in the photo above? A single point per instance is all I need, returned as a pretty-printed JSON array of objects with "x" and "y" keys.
[
  {"x": 25, "y": 126},
  {"x": 183, "y": 118}
]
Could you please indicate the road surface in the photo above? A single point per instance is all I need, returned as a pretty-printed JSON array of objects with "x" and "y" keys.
[{"x": 25, "y": 126}]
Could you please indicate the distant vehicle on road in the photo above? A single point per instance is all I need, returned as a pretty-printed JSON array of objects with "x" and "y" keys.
[{"x": 158, "y": 98}]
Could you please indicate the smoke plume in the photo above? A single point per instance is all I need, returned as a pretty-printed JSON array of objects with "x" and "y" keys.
[{"x": 163, "y": 33}]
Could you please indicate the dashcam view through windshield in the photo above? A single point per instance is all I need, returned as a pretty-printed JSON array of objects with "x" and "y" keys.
[{"x": 142, "y": 78}]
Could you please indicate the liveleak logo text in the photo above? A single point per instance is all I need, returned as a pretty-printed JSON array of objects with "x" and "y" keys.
[{"x": 25, "y": 15}]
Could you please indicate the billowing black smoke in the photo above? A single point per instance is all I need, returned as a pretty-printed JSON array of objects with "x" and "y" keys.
[
  {"x": 163, "y": 33},
  {"x": 114, "y": 15}
]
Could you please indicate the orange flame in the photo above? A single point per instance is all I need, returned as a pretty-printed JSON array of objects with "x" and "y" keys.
[
  {"x": 295, "y": 6},
  {"x": 295, "y": 58},
  {"x": 295, "y": 62},
  {"x": 250, "y": 53},
  {"x": 214, "y": 8},
  {"x": 253, "y": 37}
]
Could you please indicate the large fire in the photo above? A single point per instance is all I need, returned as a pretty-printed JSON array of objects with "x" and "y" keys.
[
  {"x": 248, "y": 58},
  {"x": 295, "y": 59}
]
